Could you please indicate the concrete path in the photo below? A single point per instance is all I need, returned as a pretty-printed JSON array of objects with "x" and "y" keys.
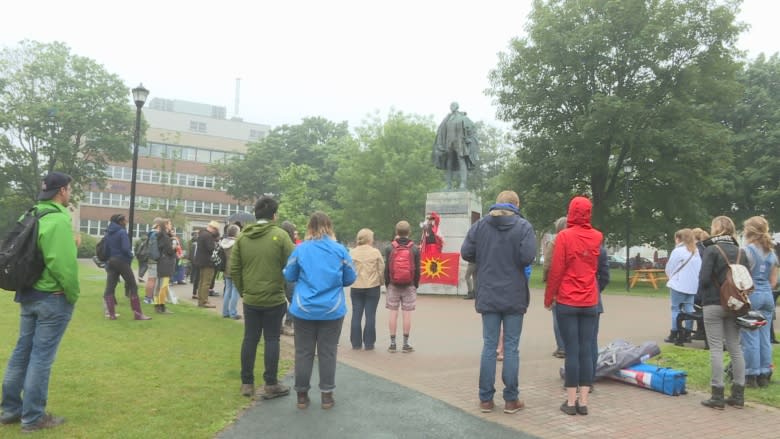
[{"x": 434, "y": 389}]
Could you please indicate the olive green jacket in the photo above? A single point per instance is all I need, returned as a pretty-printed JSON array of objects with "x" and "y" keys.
[{"x": 256, "y": 262}]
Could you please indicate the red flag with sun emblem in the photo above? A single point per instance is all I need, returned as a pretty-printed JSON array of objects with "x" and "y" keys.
[{"x": 441, "y": 268}]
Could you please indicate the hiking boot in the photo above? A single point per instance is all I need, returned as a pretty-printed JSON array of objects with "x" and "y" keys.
[
  {"x": 751, "y": 381},
  {"x": 716, "y": 401},
  {"x": 486, "y": 406},
  {"x": 407, "y": 349},
  {"x": 303, "y": 400},
  {"x": 248, "y": 390},
  {"x": 737, "y": 398},
  {"x": 327, "y": 400},
  {"x": 513, "y": 406},
  {"x": 10, "y": 419},
  {"x": 763, "y": 380},
  {"x": 672, "y": 338},
  {"x": 392, "y": 349},
  {"x": 559, "y": 353},
  {"x": 275, "y": 391},
  {"x": 46, "y": 421}
]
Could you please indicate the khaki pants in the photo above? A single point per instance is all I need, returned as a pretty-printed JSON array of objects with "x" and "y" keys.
[{"x": 204, "y": 283}]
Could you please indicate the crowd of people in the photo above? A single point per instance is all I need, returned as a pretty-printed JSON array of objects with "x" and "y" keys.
[{"x": 278, "y": 275}]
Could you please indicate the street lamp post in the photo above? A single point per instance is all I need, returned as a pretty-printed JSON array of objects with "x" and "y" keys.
[
  {"x": 139, "y": 96},
  {"x": 627, "y": 170}
]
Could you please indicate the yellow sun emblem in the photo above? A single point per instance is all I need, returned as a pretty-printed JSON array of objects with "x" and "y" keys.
[{"x": 435, "y": 267}]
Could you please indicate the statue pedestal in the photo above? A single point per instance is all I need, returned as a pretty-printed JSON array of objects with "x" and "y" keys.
[{"x": 458, "y": 210}]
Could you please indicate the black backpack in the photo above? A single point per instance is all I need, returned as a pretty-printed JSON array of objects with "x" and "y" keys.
[
  {"x": 21, "y": 262},
  {"x": 219, "y": 258},
  {"x": 101, "y": 250}
]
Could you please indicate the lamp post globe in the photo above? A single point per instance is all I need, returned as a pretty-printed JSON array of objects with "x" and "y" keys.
[{"x": 140, "y": 94}]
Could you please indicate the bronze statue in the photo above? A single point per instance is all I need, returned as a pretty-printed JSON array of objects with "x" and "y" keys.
[{"x": 455, "y": 147}]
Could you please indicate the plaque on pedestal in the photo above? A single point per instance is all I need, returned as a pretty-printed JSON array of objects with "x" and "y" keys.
[{"x": 458, "y": 210}]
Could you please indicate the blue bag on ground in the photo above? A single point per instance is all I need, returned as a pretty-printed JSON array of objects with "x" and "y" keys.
[{"x": 661, "y": 379}]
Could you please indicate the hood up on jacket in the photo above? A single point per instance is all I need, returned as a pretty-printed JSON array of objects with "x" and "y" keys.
[{"x": 580, "y": 209}]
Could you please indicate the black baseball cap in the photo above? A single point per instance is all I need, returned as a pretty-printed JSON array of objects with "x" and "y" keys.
[{"x": 52, "y": 183}]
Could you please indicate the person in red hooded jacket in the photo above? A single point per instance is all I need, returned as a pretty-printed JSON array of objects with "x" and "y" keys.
[
  {"x": 572, "y": 287},
  {"x": 431, "y": 242}
]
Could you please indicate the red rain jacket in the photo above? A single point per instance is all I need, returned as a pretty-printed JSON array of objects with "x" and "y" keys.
[{"x": 572, "y": 276}]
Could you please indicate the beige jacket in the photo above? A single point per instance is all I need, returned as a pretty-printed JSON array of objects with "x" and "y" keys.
[{"x": 369, "y": 266}]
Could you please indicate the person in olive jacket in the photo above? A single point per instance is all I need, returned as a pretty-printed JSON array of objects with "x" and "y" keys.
[
  {"x": 256, "y": 262},
  {"x": 206, "y": 242}
]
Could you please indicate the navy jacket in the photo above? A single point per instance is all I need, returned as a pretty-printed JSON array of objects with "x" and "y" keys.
[
  {"x": 118, "y": 243},
  {"x": 501, "y": 246}
]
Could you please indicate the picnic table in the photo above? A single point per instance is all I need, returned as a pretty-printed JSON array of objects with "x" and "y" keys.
[{"x": 652, "y": 275}]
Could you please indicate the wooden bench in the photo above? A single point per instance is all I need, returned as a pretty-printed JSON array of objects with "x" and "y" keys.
[{"x": 652, "y": 275}]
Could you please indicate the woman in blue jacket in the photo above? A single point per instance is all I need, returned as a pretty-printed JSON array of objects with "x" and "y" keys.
[
  {"x": 119, "y": 258},
  {"x": 322, "y": 268}
]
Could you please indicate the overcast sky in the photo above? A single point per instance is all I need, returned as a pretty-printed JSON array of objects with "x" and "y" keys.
[{"x": 340, "y": 59}]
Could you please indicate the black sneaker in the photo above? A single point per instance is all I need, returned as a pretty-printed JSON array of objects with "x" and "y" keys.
[
  {"x": 46, "y": 421},
  {"x": 407, "y": 349},
  {"x": 10, "y": 419},
  {"x": 392, "y": 349}
]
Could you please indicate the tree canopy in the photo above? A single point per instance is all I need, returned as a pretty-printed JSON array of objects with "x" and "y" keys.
[
  {"x": 59, "y": 112},
  {"x": 600, "y": 85}
]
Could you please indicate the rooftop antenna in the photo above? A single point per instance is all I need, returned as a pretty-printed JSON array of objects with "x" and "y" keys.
[{"x": 238, "y": 92}]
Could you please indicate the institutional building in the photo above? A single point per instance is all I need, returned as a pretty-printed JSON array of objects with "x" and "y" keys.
[{"x": 174, "y": 178}]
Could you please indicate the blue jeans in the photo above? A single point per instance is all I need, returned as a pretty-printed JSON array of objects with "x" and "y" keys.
[
  {"x": 756, "y": 344},
  {"x": 677, "y": 299},
  {"x": 229, "y": 299},
  {"x": 491, "y": 325},
  {"x": 578, "y": 328},
  {"x": 363, "y": 300},
  {"x": 557, "y": 331},
  {"x": 41, "y": 328}
]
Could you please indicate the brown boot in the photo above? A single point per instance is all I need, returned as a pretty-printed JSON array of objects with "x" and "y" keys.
[
  {"x": 135, "y": 304},
  {"x": 327, "y": 400},
  {"x": 303, "y": 400}
]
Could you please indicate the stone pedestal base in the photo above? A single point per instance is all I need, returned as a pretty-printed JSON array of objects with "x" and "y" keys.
[{"x": 458, "y": 210}]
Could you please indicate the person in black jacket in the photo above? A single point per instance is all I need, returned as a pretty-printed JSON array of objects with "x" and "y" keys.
[
  {"x": 721, "y": 325},
  {"x": 166, "y": 266},
  {"x": 119, "y": 258}
]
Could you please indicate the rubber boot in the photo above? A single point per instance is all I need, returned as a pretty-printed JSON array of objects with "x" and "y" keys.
[
  {"x": 737, "y": 398},
  {"x": 110, "y": 306},
  {"x": 135, "y": 304},
  {"x": 716, "y": 401},
  {"x": 672, "y": 337}
]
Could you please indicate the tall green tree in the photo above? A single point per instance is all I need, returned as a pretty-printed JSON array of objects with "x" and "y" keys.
[
  {"x": 600, "y": 84},
  {"x": 756, "y": 142},
  {"x": 314, "y": 142},
  {"x": 386, "y": 177},
  {"x": 59, "y": 112},
  {"x": 495, "y": 153}
]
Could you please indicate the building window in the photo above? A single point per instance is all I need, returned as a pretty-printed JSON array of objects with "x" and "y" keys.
[
  {"x": 198, "y": 127},
  {"x": 255, "y": 134}
]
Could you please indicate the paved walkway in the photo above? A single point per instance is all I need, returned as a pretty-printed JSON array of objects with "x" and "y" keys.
[{"x": 437, "y": 385}]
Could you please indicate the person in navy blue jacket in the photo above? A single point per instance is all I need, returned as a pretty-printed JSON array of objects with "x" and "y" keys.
[
  {"x": 119, "y": 258},
  {"x": 502, "y": 244},
  {"x": 321, "y": 268}
]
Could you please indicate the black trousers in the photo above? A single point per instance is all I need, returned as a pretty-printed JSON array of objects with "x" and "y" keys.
[{"x": 117, "y": 267}]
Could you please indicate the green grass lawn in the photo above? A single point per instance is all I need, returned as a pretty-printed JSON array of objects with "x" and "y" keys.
[
  {"x": 174, "y": 376},
  {"x": 617, "y": 284}
]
